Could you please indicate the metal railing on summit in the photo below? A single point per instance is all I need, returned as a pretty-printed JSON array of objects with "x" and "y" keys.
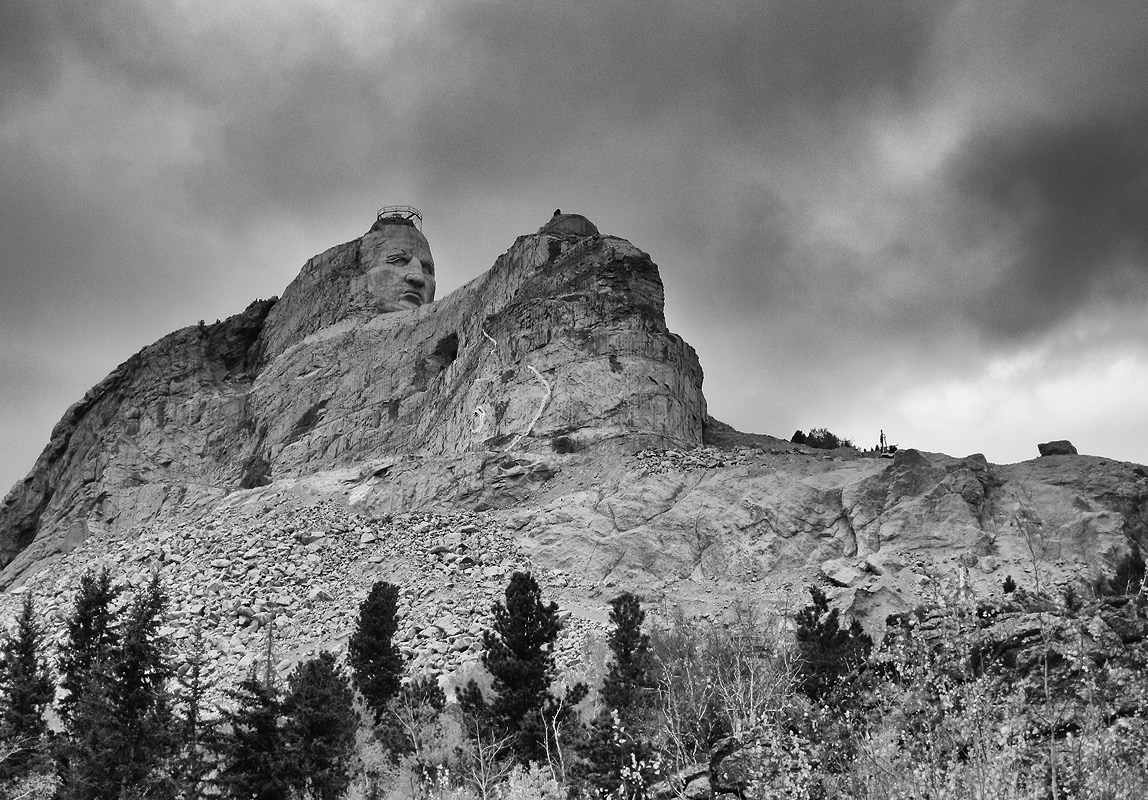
[{"x": 405, "y": 213}]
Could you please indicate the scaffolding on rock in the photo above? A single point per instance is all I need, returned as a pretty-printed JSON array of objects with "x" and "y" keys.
[{"x": 402, "y": 213}]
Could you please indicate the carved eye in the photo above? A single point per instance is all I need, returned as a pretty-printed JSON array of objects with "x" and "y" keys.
[{"x": 398, "y": 258}]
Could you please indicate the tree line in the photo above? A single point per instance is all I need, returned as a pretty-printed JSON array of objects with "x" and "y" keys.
[
  {"x": 820, "y": 712},
  {"x": 130, "y": 725}
]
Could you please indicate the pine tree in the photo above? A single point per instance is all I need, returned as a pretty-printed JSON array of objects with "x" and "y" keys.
[
  {"x": 92, "y": 636},
  {"x": 84, "y": 753},
  {"x": 415, "y": 713},
  {"x": 253, "y": 760},
  {"x": 629, "y": 684},
  {"x": 519, "y": 655},
  {"x": 117, "y": 740},
  {"x": 143, "y": 702},
  {"x": 87, "y": 753},
  {"x": 376, "y": 663},
  {"x": 826, "y": 652},
  {"x": 617, "y": 756},
  {"x": 191, "y": 735},
  {"x": 25, "y": 688},
  {"x": 424, "y": 691},
  {"x": 321, "y": 725}
]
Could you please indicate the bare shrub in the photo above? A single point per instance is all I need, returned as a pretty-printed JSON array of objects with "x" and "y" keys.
[{"x": 726, "y": 694}]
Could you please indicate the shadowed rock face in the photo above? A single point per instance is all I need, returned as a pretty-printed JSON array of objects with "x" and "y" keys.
[{"x": 560, "y": 347}]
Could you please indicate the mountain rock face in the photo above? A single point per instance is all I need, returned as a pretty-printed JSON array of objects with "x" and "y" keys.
[
  {"x": 541, "y": 417},
  {"x": 560, "y": 347},
  {"x": 715, "y": 525}
]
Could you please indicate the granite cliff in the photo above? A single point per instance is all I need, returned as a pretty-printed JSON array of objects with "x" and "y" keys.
[
  {"x": 540, "y": 417},
  {"x": 560, "y": 347}
]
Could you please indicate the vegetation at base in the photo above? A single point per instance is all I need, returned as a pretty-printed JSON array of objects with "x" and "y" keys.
[
  {"x": 1025, "y": 694},
  {"x": 829, "y": 657},
  {"x": 26, "y": 688},
  {"x": 519, "y": 655},
  {"x": 250, "y": 748},
  {"x": 92, "y": 637},
  {"x": 618, "y": 757},
  {"x": 321, "y": 727},
  {"x": 376, "y": 664}
]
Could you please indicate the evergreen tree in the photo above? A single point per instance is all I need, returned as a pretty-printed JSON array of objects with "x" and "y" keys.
[
  {"x": 253, "y": 760},
  {"x": 118, "y": 732},
  {"x": 424, "y": 691},
  {"x": 412, "y": 713},
  {"x": 25, "y": 688},
  {"x": 376, "y": 663},
  {"x": 321, "y": 725},
  {"x": 92, "y": 636},
  {"x": 827, "y": 653},
  {"x": 617, "y": 754},
  {"x": 191, "y": 736},
  {"x": 629, "y": 684},
  {"x": 143, "y": 703},
  {"x": 519, "y": 655},
  {"x": 85, "y": 751}
]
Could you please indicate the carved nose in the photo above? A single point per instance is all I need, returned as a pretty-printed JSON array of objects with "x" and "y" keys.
[{"x": 415, "y": 277}]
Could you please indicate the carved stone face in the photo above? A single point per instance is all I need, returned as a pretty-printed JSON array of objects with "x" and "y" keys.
[{"x": 400, "y": 270}]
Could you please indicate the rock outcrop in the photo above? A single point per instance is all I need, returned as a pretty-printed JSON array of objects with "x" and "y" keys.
[
  {"x": 541, "y": 417},
  {"x": 1061, "y": 447},
  {"x": 713, "y": 525},
  {"x": 560, "y": 347}
]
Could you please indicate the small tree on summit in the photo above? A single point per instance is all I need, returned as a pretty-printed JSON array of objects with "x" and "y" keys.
[{"x": 825, "y": 439}]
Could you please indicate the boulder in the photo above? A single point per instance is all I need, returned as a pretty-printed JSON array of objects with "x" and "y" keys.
[
  {"x": 1060, "y": 447},
  {"x": 842, "y": 573}
]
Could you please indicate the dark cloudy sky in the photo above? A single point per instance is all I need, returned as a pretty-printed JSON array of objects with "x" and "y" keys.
[{"x": 926, "y": 217}]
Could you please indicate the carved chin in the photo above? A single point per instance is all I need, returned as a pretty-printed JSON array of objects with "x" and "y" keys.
[{"x": 405, "y": 302}]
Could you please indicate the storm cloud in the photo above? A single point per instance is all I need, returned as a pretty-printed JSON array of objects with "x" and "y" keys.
[
  {"x": 923, "y": 217},
  {"x": 1071, "y": 200}
]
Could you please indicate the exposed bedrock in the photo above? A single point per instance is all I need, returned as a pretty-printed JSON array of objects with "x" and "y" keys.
[
  {"x": 877, "y": 529},
  {"x": 548, "y": 395},
  {"x": 560, "y": 347}
]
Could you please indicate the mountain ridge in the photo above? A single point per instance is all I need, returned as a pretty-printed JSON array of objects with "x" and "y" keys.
[{"x": 548, "y": 398}]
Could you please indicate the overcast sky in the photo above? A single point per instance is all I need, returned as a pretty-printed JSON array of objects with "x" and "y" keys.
[{"x": 926, "y": 217}]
